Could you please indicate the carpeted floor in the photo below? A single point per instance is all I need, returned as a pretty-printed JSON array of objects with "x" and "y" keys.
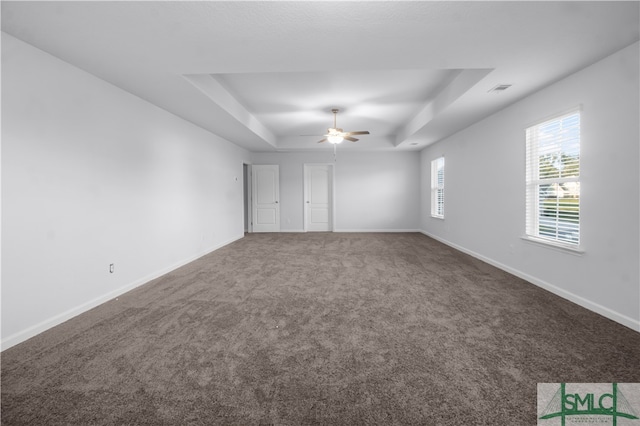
[{"x": 316, "y": 329}]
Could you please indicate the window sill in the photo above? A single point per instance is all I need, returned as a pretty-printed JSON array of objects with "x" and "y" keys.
[
  {"x": 437, "y": 217},
  {"x": 565, "y": 248}
]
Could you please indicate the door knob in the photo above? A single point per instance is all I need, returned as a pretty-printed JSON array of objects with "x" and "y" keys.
[
  {"x": 276, "y": 202},
  {"x": 307, "y": 202}
]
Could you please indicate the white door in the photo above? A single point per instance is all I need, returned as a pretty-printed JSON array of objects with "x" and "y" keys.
[
  {"x": 247, "y": 195},
  {"x": 266, "y": 197},
  {"x": 318, "y": 182}
]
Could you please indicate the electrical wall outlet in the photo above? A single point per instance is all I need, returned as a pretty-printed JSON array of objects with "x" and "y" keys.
[{"x": 111, "y": 268}]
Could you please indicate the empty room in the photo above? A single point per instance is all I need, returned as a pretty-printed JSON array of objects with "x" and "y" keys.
[{"x": 320, "y": 213}]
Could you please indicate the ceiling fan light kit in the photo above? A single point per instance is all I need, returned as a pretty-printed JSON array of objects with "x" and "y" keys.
[
  {"x": 335, "y": 139},
  {"x": 335, "y": 135}
]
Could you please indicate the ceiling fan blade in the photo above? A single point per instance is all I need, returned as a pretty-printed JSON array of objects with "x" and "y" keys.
[
  {"x": 361, "y": 132},
  {"x": 349, "y": 138},
  {"x": 323, "y": 140}
]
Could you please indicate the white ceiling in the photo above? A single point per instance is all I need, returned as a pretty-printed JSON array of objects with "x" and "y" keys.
[{"x": 261, "y": 74}]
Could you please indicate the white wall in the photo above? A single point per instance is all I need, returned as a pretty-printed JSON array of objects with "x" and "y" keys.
[
  {"x": 374, "y": 191},
  {"x": 485, "y": 196},
  {"x": 92, "y": 175}
]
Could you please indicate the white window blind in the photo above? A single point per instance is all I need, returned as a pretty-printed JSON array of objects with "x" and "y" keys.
[
  {"x": 437, "y": 187},
  {"x": 553, "y": 180}
]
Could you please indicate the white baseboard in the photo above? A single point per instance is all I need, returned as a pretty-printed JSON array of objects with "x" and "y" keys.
[
  {"x": 351, "y": 230},
  {"x": 36, "y": 329},
  {"x": 376, "y": 230},
  {"x": 579, "y": 300}
]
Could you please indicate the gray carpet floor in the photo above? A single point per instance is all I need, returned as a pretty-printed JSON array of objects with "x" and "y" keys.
[{"x": 316, "y": 329}]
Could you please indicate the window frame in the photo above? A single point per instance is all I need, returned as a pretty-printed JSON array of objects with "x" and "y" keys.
[
  {"x": 437, "y": 188},
  {"x": 533, "y": 183}
]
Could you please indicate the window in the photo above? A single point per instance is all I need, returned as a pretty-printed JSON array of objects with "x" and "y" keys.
[
  {"x": 553, "y": 180},
  {"x": 437, "y": 188}
]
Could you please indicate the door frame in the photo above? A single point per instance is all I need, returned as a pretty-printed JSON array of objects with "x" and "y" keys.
[
  {"x": 332, "y": 190},
  {"x": 247, "y": 181}
]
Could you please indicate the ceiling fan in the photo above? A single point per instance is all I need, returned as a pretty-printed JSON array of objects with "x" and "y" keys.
[{"x": 335, "y": 135}]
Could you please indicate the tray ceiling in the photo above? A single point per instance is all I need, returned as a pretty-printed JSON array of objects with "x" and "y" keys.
[{"x": 261, "y": 74}]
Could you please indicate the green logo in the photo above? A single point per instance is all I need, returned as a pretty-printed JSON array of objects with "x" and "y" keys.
[{"x": 590, "y": 404}]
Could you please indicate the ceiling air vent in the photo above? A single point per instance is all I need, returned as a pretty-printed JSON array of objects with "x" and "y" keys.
[{"x": 499, "y": 88}]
